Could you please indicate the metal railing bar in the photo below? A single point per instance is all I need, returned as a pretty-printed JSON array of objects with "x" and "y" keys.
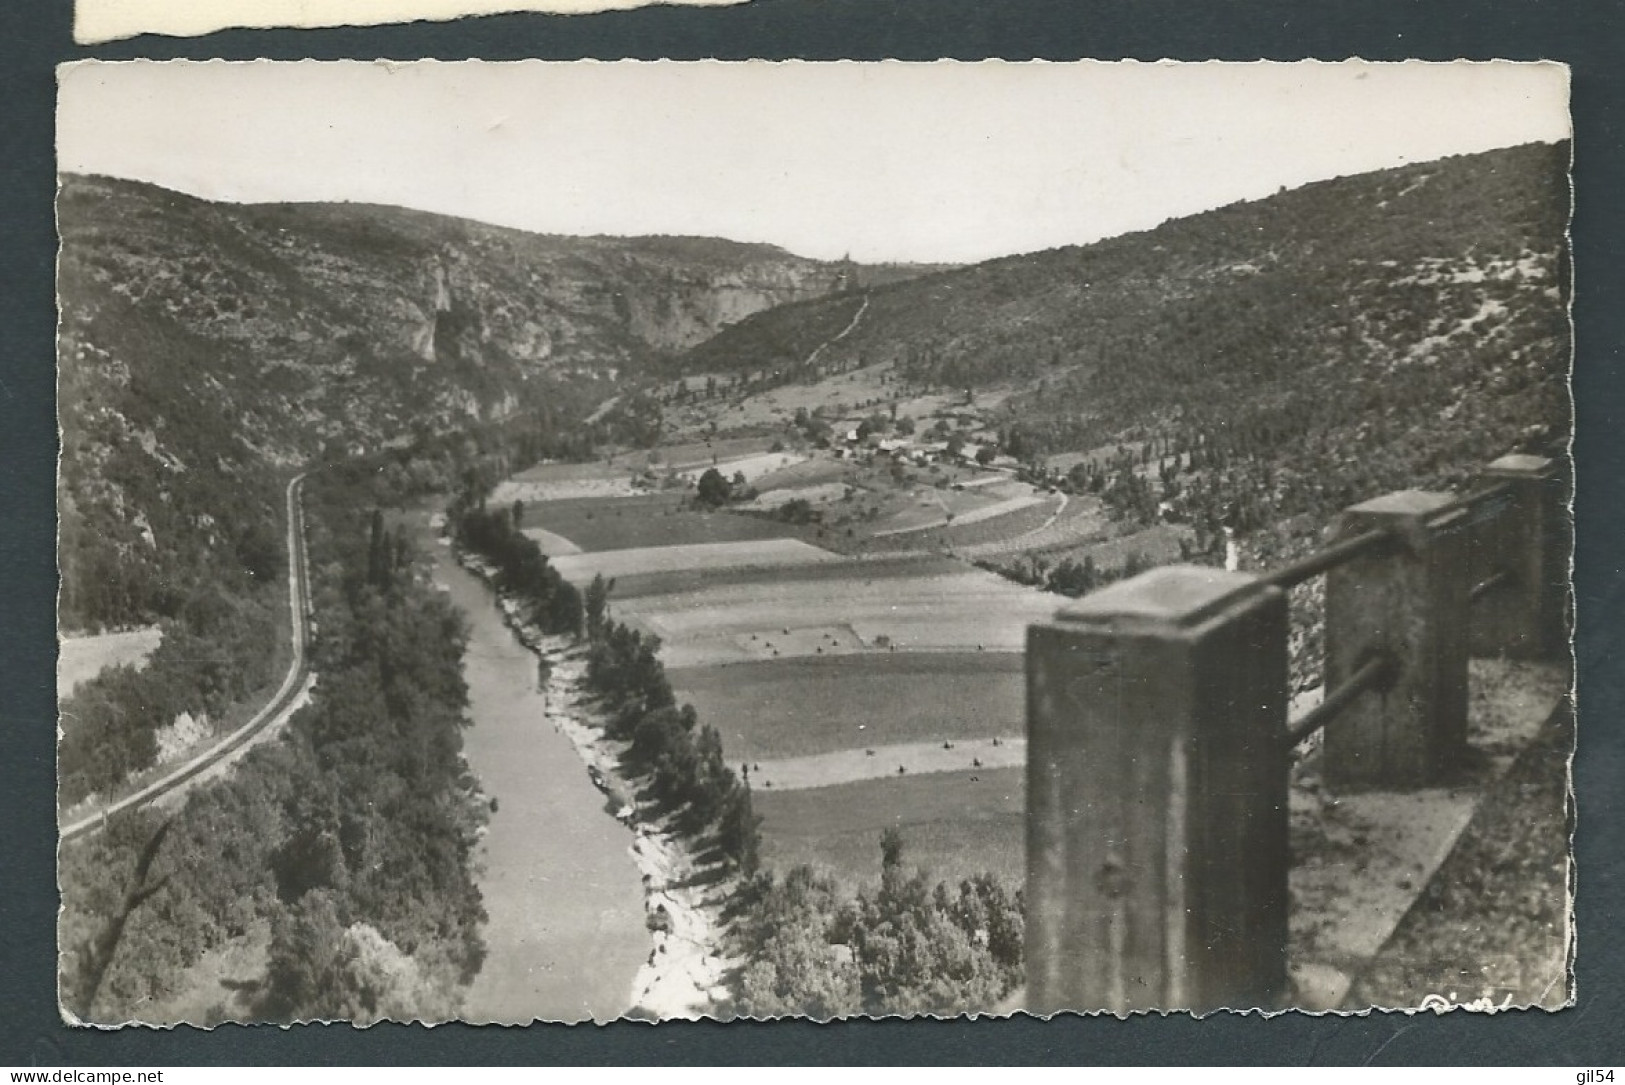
[
  {"x": 1332, "y": 556},
  {"x": 1375, "y": 673}
]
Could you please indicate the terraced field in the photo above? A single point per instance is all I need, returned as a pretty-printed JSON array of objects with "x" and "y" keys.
[
  {"x": 1079, "y": 520},
  {"x": 952, "y": 511},
  {"x": 1158, "y": 544}
]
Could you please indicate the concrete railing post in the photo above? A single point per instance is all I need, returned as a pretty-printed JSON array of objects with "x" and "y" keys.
[
  {"x": 1157, "y": 797},
  {"x": 1526, "y": 616},
  {"x": 1409, "y": 601}
]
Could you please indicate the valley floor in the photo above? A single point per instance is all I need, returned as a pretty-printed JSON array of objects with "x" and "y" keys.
[{"x": 865, "y": 692}]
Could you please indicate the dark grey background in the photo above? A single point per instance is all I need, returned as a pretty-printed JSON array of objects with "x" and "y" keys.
[{"x": 1587, "y": 34}]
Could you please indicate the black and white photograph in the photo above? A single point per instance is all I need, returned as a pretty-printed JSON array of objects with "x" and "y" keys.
[{"x": 665, "y": 540}]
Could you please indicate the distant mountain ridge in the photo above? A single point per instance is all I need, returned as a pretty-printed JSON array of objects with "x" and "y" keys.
[
  {"x": 203, "y": 343},
  {"x": 1055, "y": 311},
  {"x": 1373, "y": 331}
]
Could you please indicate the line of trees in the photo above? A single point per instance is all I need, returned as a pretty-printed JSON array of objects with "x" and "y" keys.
[
  {"x": 904, "y": 946},
  {"x": 682, "y": 759},
  {"x": 522, "y": 571}
]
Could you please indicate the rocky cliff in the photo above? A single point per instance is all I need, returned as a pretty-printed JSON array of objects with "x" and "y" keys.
[{"x": 202, "y": 343}]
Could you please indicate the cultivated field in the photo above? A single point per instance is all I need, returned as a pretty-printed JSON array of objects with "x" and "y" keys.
[
  {"x": 813, "y": 472},
  {"x": 705, "y": 452},
  {"x": 645, "y": 520},
  {"x": 934, "y": 508},
  {"x": 1158, "y": 544},
  {"x": 892, "y": 762},
  {"x": 552, "y": 545},
  {"x": 822, "y": 493},
  {"x": 1078, "y": 519},
  {"x": 869, "y": 568},
  {"x": 800, "y": 707},
  {"x": 1003, "y": 524},
  {"x": 752, "y": 467},
  {"x": 861, "y": 692},
  {"x": 562, "y": 481},
  {"x": 692, "y": 557},
  {"x": 952, "y": 826},
  {"x": 788, "y": 617}
]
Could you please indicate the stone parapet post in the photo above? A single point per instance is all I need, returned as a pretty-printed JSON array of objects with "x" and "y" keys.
[
  {"x": 1408, "y": 600},
  {"x": 1524, "y": 616},
  {"x": 1157, "y": 797}
]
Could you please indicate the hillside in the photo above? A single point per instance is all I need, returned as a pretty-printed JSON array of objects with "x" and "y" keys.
[
  {"x": 203, "y": 344},
  {"x": 1277, "y": 357}
]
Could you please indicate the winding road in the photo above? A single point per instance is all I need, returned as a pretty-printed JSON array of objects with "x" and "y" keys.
[{"x": 277, "y": 709}]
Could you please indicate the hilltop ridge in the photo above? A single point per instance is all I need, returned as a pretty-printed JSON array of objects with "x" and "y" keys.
[{"x": 1264, "y": 362}]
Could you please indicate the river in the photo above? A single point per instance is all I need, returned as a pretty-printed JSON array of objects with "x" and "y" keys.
[{"x": 566, "y": 933}]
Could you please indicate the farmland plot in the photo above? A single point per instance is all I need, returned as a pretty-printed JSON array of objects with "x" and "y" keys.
[
  {"x": 934, "y": 508},
  {"x": 820, "y": 705},
  {"x": 817, "y": 471},
  {"x": 893, "y": 762},
  {"x": 562, "y": 481},
  {"x": 552, "y": 545},
  {"x": 1158, "y": 544},
  {"x": 762, "y": 553},
  {"x": 751, "y": 467},
  {"x": 1080, "y": 520},
  {"x": 869, "y": 568},
  {"x": 703, "y": 454},
  {"x": 821, "y": 493},
  {"x": 647, "y": 520},
  {"x": 860, "y": 692},
  {"x": 952, "y": 825},
  {"x": 726, "y": 623},
  {"x": 1008, "y": 520}
]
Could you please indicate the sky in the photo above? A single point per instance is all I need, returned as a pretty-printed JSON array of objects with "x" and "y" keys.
[{"x": 944, "y": 162}]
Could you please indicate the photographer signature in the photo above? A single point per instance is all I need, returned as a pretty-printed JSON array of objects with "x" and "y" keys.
[{"x": 1483, "y": 1004}]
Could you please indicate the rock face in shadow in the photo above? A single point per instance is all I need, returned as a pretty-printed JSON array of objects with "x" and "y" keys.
[{"x": 320, "y": 302}]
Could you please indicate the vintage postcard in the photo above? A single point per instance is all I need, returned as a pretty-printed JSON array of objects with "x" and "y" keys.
[
  {"x": 96, "y": 21},
  {"x": 573, "y": 541}
]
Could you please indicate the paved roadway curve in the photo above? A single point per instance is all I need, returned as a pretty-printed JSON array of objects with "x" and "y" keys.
[{"x": 279, "y": 706}]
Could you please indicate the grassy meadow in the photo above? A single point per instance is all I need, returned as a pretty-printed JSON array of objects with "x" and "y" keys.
[
  {"x": 952, "y": 826},
  {"x": 796, "y": 707}
]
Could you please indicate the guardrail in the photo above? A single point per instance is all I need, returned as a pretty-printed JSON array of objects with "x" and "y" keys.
[{"x": 1159, "y": 746}]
